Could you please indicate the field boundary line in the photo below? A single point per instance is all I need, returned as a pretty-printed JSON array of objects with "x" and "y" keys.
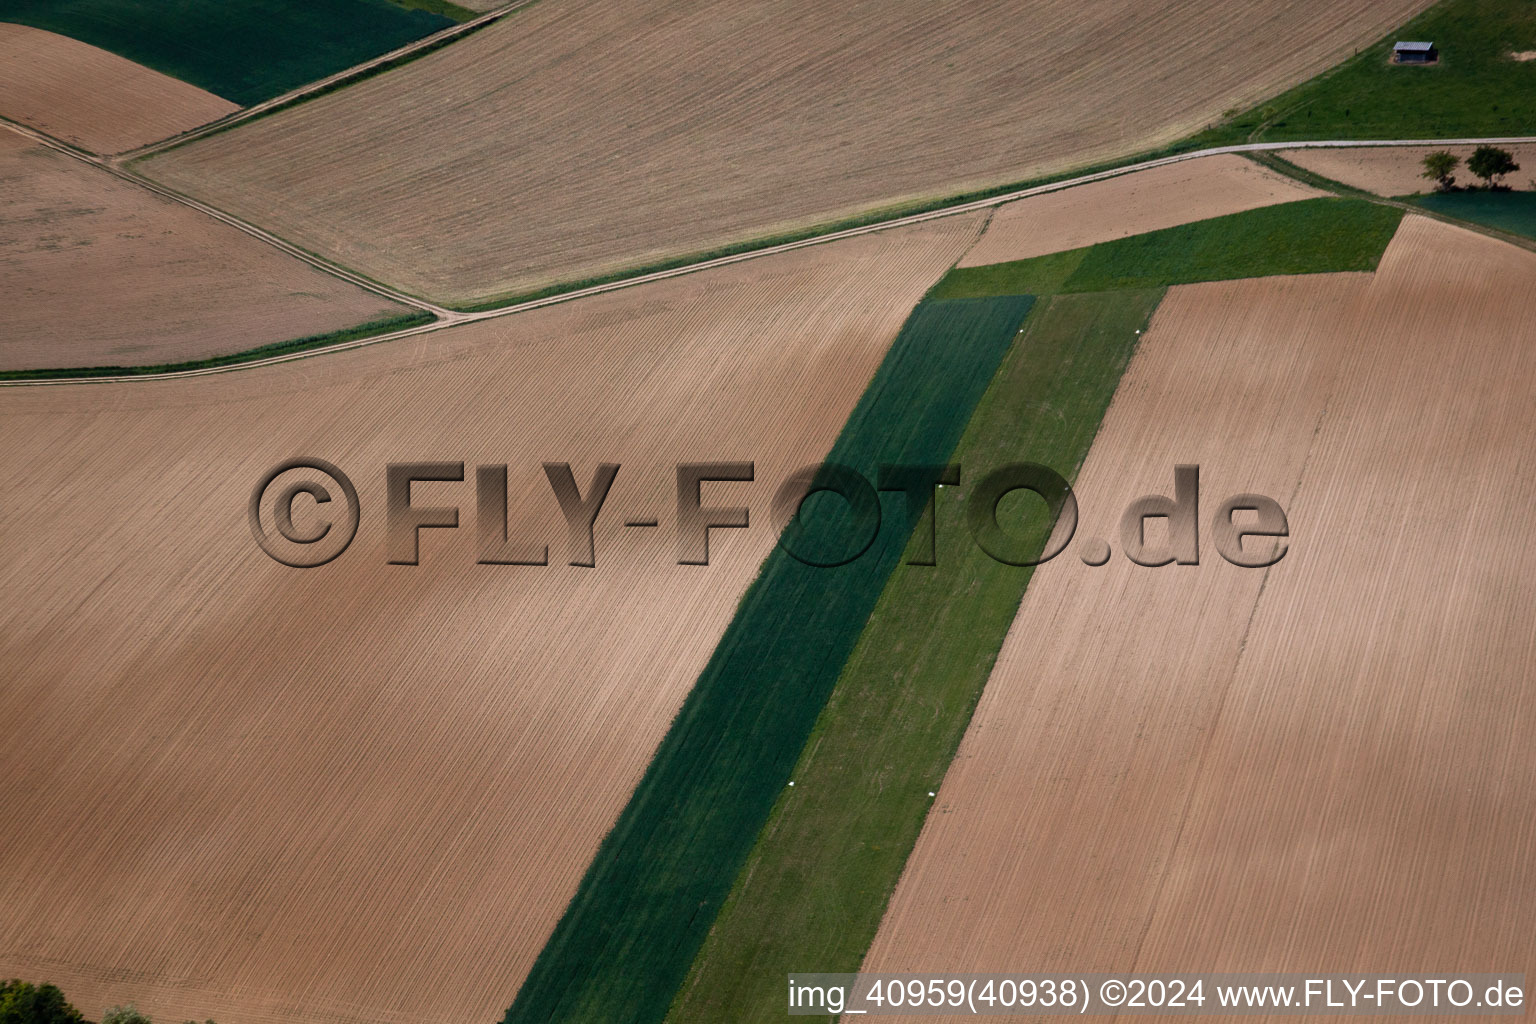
[{"x": 447, "y": 317}]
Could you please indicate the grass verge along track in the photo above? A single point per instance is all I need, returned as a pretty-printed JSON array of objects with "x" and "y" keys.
[
  {"x": 384, "y": 325},
  {"x": 824, "y": 866},
  {"x": 651, "y": 893}
]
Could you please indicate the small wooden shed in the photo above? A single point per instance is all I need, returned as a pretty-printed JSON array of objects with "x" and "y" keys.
[{"x": 1415, "y": 53}]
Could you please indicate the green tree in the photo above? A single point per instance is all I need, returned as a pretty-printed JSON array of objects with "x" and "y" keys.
[
  {"x": 1441, "y": 167},
  {"x": 22, "y": 1002},
  {"x": 1491, "y": 163},
  {"x": 124, "y": 1015}
]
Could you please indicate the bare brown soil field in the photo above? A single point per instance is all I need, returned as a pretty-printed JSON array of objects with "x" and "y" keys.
[
  {"x": 91, "y": 98},
  {"x": 1324, "y": 766},
  {"x": 586, "y": 137},
  {"x": 366, "y": 792},
  {"x": 1391, "y": 170},
  {"x": 98, "y": 272},
  {"x": 1131, "y": 204}
]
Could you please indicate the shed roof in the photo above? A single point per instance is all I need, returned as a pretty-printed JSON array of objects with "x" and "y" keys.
[{"x": 1414, "y": 47}]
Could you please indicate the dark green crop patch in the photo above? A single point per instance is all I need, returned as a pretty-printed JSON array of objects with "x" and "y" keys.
[
  {"x": 1514, "y": 212},
  {"x": 243, "y": 50}
]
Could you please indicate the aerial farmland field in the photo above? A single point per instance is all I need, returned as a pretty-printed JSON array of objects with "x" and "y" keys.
[
  {"x": 573, "y": 512},
  {"x": 580, "y": 138},
  {"x": 236, "y": 730}
]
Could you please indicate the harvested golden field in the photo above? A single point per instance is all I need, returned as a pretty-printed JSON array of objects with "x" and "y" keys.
[
  {"x": 99, "y": 272},
  {"x": 585, "y": 137},
  {"x": 1324, "y": 766},
  {"x": 366, "y": 792},
  {"x": 91, "y": 98},
  {"x": 1131, "y": 204},
  {"x": 1391, "y": 170}
]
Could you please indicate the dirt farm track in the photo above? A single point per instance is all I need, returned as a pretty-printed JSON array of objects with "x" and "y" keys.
[{"x": 1339, "y": 745}]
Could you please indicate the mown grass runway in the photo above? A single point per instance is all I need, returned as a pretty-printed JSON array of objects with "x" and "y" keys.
[
  {"x": 812, "y": 894},
  {"x": 652, "y": 891}
]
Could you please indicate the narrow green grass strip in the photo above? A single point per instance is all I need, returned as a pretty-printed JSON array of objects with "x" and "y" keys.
[
  {"x": 651, "y": 893},
  {"x": 811, "y": 895},
  {"x": 1514, "y": 212},
  {"x": 385, "y": 325},
  {"x": 1312, "y": 236},
  {"x": 1277, "y": 163},
  {"x": 440, "y": 7}
]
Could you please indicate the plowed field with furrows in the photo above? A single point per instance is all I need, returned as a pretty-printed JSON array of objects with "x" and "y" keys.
[{"x": 366, "y": 792}]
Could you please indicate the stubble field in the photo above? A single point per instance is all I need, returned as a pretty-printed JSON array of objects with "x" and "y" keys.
[
  {"x": 91, "y": 98},
  {"x": 1334, "y": 745},
  {"x": 98, "y": 272},
  {"x": 582, "y": 138},
  {"x": 366, "y": 792}
]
